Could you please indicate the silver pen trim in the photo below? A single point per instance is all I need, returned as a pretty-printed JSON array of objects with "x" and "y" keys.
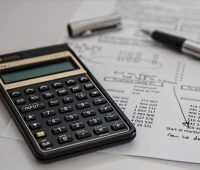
[{"x": 191, "y": 48}]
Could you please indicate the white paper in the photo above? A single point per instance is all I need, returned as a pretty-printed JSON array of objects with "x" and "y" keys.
[
  {"x": 158, "y": 89},
  {"x": 12, "y": 132},
  {"x": 15, "y": 154},
  {"x": 141, "y": 74}
]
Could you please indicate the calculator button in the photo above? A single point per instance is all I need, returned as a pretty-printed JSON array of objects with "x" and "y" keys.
[
  {"x": 118, "y": 125},
  {"x": 57, "y": 85},
  {"x": 66, "y": 109},
  {"x": 59, "y": 130},
  {"x": 69, "y": 118},
  {"x": 100, "y": 130},
  {"x": 29, "y": 117},
  {"x": 88, "y": 113},
  {"x": 35, "y": 125},
  {"x": 81, "y": 96},
  {"x": 54, "y": 102},
  {"x": 67, "y": 99},
  {"x": 43, "y": 88},
  {"x": 83, "y": 134},
  {"x": 34, "y": 98},
  {"x": 45, "y": 144},
  {"x": 62, "y": 92},
  {"x": 94, "y": 93},
  {"x": 64, "y": 139},
  {"x": 70, "y": 82},
  {"x": 40, "y": 134},
  {"x": 31, "y": 107},
  {"x": 105, "y": 108},
  {"x": 75, "y": 89},
  {"x": 54, "y": 121},
  {"x": 48, "y": 95},
  {"x": 95, "y": 121},
  {"x": 98, "y": 101},
  {"x": 29, "y": 91},
  {"x": 83, "y": 105},
  {"x": 48, "y": 113},
  {"x": 78, "y": 125},
  {"x": 83, "y": 79},
  {"x": 20, "y": 101},
  {"x": 89, "y": 86},
  {"x": 15, "y": 94},
  {"x": 111, "y": 116}
]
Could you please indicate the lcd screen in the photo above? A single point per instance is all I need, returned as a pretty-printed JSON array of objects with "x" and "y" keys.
[{"x": 38, "y": 71}]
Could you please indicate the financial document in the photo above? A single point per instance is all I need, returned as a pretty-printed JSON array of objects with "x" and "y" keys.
[{"x": 157, "y": 88}]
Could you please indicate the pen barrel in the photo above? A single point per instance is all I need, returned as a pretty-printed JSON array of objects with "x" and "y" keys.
[
  {"x": 169, "y": 40},
  {"x": 191, "y": 48}
]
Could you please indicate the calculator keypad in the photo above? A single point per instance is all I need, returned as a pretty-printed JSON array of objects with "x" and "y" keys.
[{"x": 66, "y": 111}]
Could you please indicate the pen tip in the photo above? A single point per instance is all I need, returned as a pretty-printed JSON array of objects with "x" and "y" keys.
[{"x": 146, "y": 31}]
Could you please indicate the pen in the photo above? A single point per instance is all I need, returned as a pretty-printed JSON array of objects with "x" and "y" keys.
[
  {"x": 94, "y": 25},
  {"x": 178, "y": 43}
]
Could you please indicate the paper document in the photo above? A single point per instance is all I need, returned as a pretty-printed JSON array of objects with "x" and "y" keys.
[{"x": 157, "y": 88}]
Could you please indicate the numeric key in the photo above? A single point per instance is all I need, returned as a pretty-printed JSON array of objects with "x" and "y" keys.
[
  {"x": 69, "y": 118},
  {"x": 100, "y": 130},
  {"x": 59, "y": 130},
  {"x": 111, "y": 117},
  {"x": 64, "y": 139},
  {"x": 82, "y": 105},
  {"x": 88, "y": 113},
  {"x": 78, "y": 125},
  {"x": 48, "y": 113},
  {"x": 54, "y": 121},
  {"x": 118, "y": 125},
  {"x": 95, "y": 121},
  {"x": 66, "y": 109},
  {"x": 83, "y": 134}
]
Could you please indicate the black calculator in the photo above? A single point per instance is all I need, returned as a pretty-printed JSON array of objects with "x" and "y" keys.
[{"x": 58, "y": 105}]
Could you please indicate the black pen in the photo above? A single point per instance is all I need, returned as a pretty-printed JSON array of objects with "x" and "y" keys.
[{"x": 179, "y": 43}]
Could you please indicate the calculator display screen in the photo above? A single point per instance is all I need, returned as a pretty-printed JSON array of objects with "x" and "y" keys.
[{"x": 38, "y": 71}]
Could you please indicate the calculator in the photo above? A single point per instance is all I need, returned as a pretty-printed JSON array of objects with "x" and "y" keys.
[{"x": 58, "y": 105}]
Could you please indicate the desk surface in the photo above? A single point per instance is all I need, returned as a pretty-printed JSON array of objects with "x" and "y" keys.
[{"x": 30, "y": 24}]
